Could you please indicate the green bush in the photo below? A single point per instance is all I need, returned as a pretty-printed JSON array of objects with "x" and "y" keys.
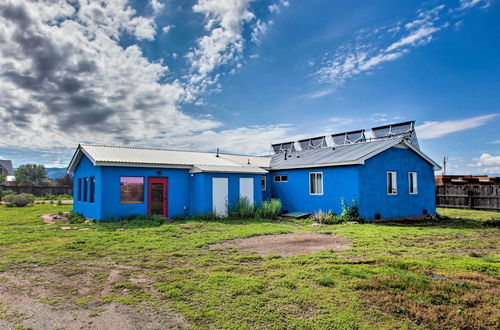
[
  {"x": 6, "y": 193},
  {"x": 350, "y": 213},
  {"x": 243, "y": 209},
  {"x": 269, "y": 209},
  {"x": 328, "y": 218},
  {"x": 19, "y": 200}
]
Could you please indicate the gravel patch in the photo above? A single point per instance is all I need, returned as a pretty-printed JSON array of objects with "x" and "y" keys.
[{"x": 286, "y": 244}]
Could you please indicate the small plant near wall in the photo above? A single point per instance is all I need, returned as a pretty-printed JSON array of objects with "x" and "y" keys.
[
  {"x": 349, "y": 213},
  {"x": 269, "y": 209}
]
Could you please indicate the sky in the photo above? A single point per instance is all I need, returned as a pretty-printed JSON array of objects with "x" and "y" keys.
[{"x": 240, "y": 74}]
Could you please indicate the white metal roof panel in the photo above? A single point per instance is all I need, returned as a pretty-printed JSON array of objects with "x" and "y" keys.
[{"x": 228, "y": 169}]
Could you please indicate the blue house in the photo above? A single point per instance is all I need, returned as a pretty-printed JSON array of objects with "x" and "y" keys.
[{"x": 386, "y": 172}]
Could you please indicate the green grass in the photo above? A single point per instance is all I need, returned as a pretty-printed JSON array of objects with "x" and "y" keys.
[{"x": 383, "y": 281}]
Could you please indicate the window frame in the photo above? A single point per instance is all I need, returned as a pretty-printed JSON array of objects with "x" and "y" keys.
[
  {"x": 263, "y": 182},
  {"x": 92, "y": 189},
  {"x": 415, "y": 183},
  {"x": 144, "y": 185},
  {"x": 79, "y": 192},
  {"x": 310, "y": 183},
  {"x": 85, "y": 190},
  {"x": 281, "y": 178},
  {"x": 395, "y": 181}
]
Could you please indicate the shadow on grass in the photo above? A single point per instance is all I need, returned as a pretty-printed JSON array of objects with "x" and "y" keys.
[
  {"x": 148, "y": 222},
  {"x": 448, "y": 223}
]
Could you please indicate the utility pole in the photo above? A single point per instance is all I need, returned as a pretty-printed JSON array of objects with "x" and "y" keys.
[{"x": 445, "y": 160}]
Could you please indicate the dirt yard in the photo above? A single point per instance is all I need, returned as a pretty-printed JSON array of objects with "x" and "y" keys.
[
  {"x": 41, "y": 298},
  {"x": 287, "y": 244}
]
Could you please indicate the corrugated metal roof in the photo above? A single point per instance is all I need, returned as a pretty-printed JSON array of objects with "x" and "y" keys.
[
  {"x": 340, "y": 155},
  {"x": 228, "y": 169},
  {"x": 7, "y": 165},
  {"x": 350, "y": 154},
  {"x": 128, "y": 156}
]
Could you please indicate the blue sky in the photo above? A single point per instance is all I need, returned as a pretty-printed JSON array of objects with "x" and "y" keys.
[{"x": 240, "y": 74}]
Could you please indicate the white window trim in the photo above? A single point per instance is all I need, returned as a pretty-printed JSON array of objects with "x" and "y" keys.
[
  {"x": 263, "y": 187},
  {"x": 387, "y": 183},
  {"x": 415, "y": 183},
  {"x": 315, "y": 173}
]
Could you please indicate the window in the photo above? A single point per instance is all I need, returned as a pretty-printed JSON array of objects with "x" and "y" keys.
[
  {"x": 392, "y": 183},
  {"x": 316, "y": 183},
  {"x": 131, "y": 189},
  {"x": 92, "y": 189},
  {"x": 280, "y": 178},
  {"x": 263, "y": 183},
  {"x": 80, "y": 189},
  {"x": 85, "y": 189},
  {"x": 412, "y": 182}
]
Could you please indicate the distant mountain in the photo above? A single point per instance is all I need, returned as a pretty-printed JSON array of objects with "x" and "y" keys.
[{"x": 55, "y": 172}]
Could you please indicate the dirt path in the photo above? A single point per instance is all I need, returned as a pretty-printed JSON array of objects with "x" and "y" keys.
[
  {"x": 47, "y": 298},
  {"x": 286, "y": 244}
]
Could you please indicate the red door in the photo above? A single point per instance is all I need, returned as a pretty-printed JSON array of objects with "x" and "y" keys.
[{"x": 158, "y": 195}]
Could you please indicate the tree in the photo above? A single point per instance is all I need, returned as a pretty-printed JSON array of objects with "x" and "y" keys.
[
  {"x": 31, "y": 174},
  {"x": 2, "y": 179},
  {"x": 65, "y": 181}
]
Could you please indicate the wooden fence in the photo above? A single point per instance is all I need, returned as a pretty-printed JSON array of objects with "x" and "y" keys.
[
  {"x": 40, "y": 191},
  {"x": 474, "y": 197}
]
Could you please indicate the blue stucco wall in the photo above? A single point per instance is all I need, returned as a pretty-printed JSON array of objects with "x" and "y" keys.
[
  {"x": 338, "y": 182},
  {"x": 201, "y": 190},
  {"x": 86, "y": 169},
  {"x": 374, "y": 198},
  {"x": 188, "y": 194},
  {"x": 267, "y": 193}
]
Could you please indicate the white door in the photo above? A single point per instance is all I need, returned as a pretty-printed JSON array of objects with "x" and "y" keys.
[
  {"x": 219, "y": 196},
  {"x": 246, "y": 188}
]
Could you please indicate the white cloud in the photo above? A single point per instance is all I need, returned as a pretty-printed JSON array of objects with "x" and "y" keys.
[
  {"x": 274, "y": 8},
  {"x": 488, "y": 160},
  {"x": 352, "y": 60},
  {"x": 157, "y": 6},
  {"x": 494, "y": 142},
  {"x": 223, "y": 43},
  {"x": 167, "y": 28},
  {"x": 466, "y": 4},
  {"x": 435, "y": 129},
  {"x": 259, "y": 30},
  {"x": 318, "y": 94},
  {"x": 379, "y": 45},
  {"x": 72, "y": 82}
]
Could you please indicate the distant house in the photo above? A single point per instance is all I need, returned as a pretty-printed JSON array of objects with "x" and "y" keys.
[
  {"x": 387, "y": 173},
  {"x": 7, "y": 170}
]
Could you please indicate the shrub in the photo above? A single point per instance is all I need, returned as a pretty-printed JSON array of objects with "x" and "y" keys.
[
  {"x": 269, "y": 209},
  {"x": 243, "y": 209},
  {"x": 350, "y": 213},
  {"x": 19, "y": 200},
  {"x": 328, "y": 218},
  {"x": 6, "y": 193}
]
